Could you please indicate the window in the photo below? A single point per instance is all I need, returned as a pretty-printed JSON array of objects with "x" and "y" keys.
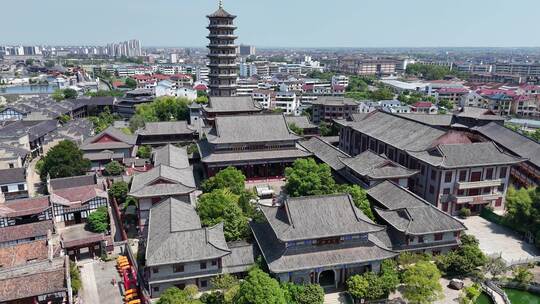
[
  {"x": 489, "y": 173},
  {"x": 501, "y": 188},
  {"x": 446, "y": 191},
  {"x": 214, "y": 262},
  {"x": 155, "y": 289},
  {"x": 431, "y": 189},
  {"x": 448, "y": 177},
  {"x": 155, "y": 270},
  {"x": 11, "y": 165},
  {"x": 178, "y": 268},
  {"x": 4, "y": 189},
  {"x": 204, "y": 283},
  {"x": 462, "y": 176},
  {"x": 502, "y": 173},
  {"x": 456, "y": 233},
  {"x": 21, "y": 187},
  {"x": 438, "y": 236},
  {"x": 203, "y": 265},
  {"x": 420, "y": 239},
  {"x": 461, "y": 192},
  {"x": 433, "y": 175}
]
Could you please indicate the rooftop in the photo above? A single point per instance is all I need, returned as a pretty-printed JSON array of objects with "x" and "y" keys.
[
  {"x": 325, "y": 152},
  {"x": 235, "y": 104},
  {"x": 375, "y": 166},
  {"x": 14, "y": 175},
  {"x": 165, "y": 128},
  {"x": 163, "y": 180},
  {"x": 313, "y": 217},
  {"x": 23, "y": 207}
]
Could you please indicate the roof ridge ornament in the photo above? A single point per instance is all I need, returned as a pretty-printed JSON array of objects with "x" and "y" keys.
[{"x": 220, "y": 3}]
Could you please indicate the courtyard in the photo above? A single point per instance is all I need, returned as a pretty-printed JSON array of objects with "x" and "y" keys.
[
  {"x": 498, "y": 240},
  {"x": 96, "y": 277}
]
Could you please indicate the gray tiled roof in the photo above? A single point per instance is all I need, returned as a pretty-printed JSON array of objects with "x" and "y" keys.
[
  {"x": 232, "y": 104},
  {"x": 209, "y": 157},
  {"x": 410, "y": 214},
  {"x": 335, "y": 101},
  {"x": 325, "y": 152},
  {"x": 179, "y": 181},
  {"x": 175, "y": 236},
  {"x": 14, "y": 175},
  {"x": 242, "y": 257},
  {"x": 171, "y": 156},
  {"x": 399, "y": 132},
  {"x": 220, "y": 13},
  {"x": 301, "y": 122},
  {"x": 313, "y": 217},
  {"x": 281, "y": 259},
  {"x": 375, "y": 166},
  {"x": 103, "y": 155},
  {"x": 166, "y": 128},
  {"x": 466, "y": 155},
  {"x": 512, "y": 141},
  {"x": 74, "y": 181},
  {"x": 250, "y": 128},
  {"x": 478, "y": 113},
  {"x": 127, "y": 139},
  {"x": 34, "y": 129},
  {"x": 441, "y": 120}
]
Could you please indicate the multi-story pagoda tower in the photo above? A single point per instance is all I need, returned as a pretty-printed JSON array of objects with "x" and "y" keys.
[{"x": 223, "y": 66}]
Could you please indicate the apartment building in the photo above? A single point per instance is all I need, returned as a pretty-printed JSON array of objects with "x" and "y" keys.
[
  {"x": 327, "y": 108},
  {"x": 287, "y": 101}
]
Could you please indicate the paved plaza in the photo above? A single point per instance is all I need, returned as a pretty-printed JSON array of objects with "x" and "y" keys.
[{"x": 96, "y": 279}]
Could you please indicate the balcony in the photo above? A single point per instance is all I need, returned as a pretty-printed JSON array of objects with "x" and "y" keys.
[
  {"x": 479, "y": 184},
  {"x": 231, "y": 55},
  {"x": 476, "y": 199}
]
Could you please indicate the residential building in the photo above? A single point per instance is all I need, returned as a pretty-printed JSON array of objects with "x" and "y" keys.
[
  {"x": 246, "y": 50},
  {"x": 319, "y": 240},
  {"x": 453, "y": 95},
  {"x": 265, "y": 98},
  {"x": 27, "y": 134},
  {"x": 340, "y": 80},
  {"x": 73, "y": 205},
  {"x": 13, "y": 183},
  {"x": 328, "y": 108},
  {"x": 223, "y": 66},
  {"x": 13, "y": 156},
  {"x": 414, "y": 225},
  {"x": 424, "y": 107},
  {"x": 180, "y": 252},
  {"x": 455, "y": 172},
  {"x": 287, "y": 102},
  {"x": 472, "y": 99},
  {"x": 259, "y": 145}
]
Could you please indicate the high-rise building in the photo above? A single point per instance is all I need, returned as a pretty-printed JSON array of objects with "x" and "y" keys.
[
  {"x": 246, "y": 50},
  {"x": 223, "y": 66}
]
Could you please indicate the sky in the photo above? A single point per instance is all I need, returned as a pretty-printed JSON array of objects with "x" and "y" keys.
[{"x": 277, "y": 23}]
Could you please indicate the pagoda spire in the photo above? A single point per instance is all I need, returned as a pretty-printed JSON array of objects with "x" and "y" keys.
[{"x": 220, "y": 3}]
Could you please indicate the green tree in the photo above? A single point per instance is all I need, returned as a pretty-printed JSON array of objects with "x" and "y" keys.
[
  {"x": 522, "y": 275},
  {"x": 104, "y": 120},
  {"x": 98, "y": 221},
  {"x": 119, "y": 191},
  {"x": 70, "y": 93},
  {"x": 144, "y": 151},
  {"x": 421, "y": 283},
  {"x": 382, "y": 94},
  {"x": 221, "y": 205},
  {"x": 389, "y": 276},
  {"x": 312, "y": 294},
  {"x": 58, "y": 95},
  {"x": 131, "y": 83},
  {"x": 64, "y": 118},
  {"x": 470, "y": 294},
  {"x": 296, "y": 129},
  {"x": 259, "y": 288},
  {"x": 306, "y": 177},
  {"x": 136, "y": 122},
  {"x": 359, "y": 197},
  {"x": 224, "y": 281},
  {"x": 175, "y": 295},
  {"x": 230, "y": 178},
  {"x": 64, "y": 160},
  {"x": 114, "y": 168},
  {"x": 75, "y": 276},
  {"x": 358, "y": 286},
  {"x": 464, "y": 261}
]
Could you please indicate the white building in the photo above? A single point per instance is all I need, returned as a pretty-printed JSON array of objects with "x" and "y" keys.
[
  {"x": 288, "y": 102},
  {"x": 340, "y": 80}
]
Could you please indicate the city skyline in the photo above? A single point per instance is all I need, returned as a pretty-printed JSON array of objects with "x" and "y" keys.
[{"x": 167, "y": 23}]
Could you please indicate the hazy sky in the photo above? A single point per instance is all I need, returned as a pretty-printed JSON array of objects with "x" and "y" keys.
[{"x": 284, "y": 23}]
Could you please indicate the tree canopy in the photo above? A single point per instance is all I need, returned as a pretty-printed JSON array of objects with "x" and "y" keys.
[
  {"x": 421, "y": 283},
  {"x": 523, "y": 210},
  {"x": 372, "y": 286},
  {"x": 98, "y": 221},
  {"x": 64, "y": 160},
  {"x": 230, "y": 178},
  {"x": 259, "y": 288},
  {"x": 221, "y": 205},
  {"x": 164, "y": 108},
  {"x": 114, "y": 168},
  {"x": 119, "y": 191},
  {"x": 306, "y": 177},
  {"x": 466, "y": 260},
  {"x": 303, "y": 294},
  {"x": 104, "y": 120},
  {"x": 131, "y": 83},
  {"x": 144, "y": 151},
  {"x": 175, "y": 295}
]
